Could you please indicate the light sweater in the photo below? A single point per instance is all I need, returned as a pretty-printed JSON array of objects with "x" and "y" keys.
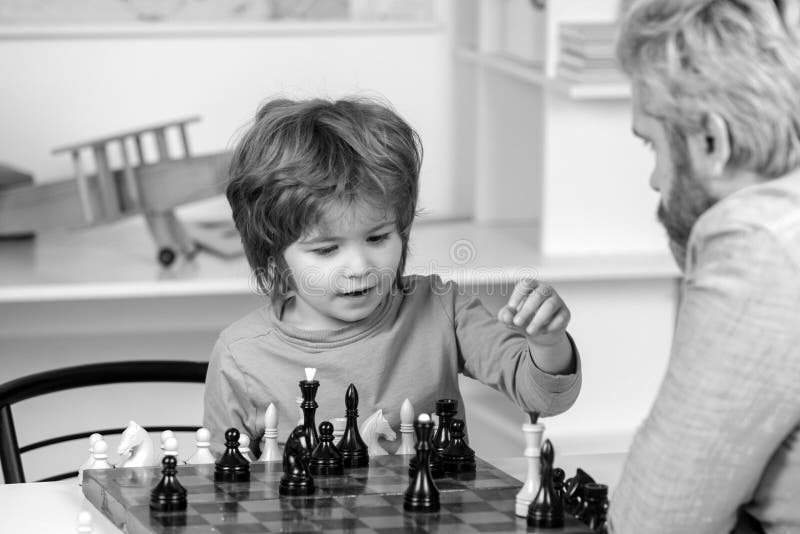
[
  {"x": 413, "y": 346},
  {"x": 723, "y": 436}
]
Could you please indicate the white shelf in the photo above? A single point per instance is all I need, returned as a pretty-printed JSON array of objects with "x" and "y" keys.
[
  {"x": 592, "y": 91},
  {"x": 523, "y": 72},
  {"x": 118, "y": 262},
  {"x": 249, "y": 29},
  {"x": 534, "y": 75}
]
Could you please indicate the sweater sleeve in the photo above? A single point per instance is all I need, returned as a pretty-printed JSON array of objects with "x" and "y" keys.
[
  {"x": 225, "y": 396},
  {"x": 499, "y": 356},
  {"x": 729, "y": 396}
]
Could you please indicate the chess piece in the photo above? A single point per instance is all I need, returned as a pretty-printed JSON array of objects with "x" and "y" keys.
[
  {"x": 203, "y": 454},
  {"x": 232, "y": 466},
  {"x": 308, "y": 388},
  {"x": 170, "y": 447},
  {"x": 533, "y": 443},
  {"x": 354, "y": 450},
  {"x": 339, "y": 424},
  {"x": 572, "y": 495},
  {"x": 137, "y": 445},
  {"x": 84, "y": 522},
  {"x": 434, "y": 458},
  {"x": 422, "y": 495},
  {"x": 546, "y": 510},
  {"x": 90, "y": 460},
  {"x": 301, "y": 416},
  {"x": 100, "y": 453},
  {"x": 594, "y": 505},
  {"x": 244, "y": 448},
  {"x": 166, "y": 434},
  {"x": 446, "y": 409},
  {"x": 326, "y": 460},
  {"x": 296, "y": 480},
  {"x": 270, "y": 451},
  {"x": 558, "y": 482},
  {"x": 373, "y": 427},
  {"x": 406, "y": 428},
  {"x": 458, "y": 457},
  {"x": 168, "y": 495}
]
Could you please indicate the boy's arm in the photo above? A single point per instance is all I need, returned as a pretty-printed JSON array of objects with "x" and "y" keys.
[
  {"x": 501, "y": 357},
  {"x": 729, "y": 397}
]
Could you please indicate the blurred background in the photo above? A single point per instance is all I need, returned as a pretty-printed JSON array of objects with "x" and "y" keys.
[{"x": 530, "y": 167}]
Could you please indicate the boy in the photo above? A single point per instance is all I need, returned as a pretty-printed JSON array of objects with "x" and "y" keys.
[{"x": 324, "y": 194}]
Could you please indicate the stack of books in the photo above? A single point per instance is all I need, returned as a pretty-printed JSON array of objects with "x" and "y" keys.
[{"x": 586, "y": 53}]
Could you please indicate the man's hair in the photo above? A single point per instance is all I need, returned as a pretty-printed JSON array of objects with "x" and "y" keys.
[
  {"x": 299, "y": 157},
  {"x": 737, "y": 58}
]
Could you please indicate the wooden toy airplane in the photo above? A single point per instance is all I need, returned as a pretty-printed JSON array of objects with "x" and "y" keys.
[{"x": 153, "y": 189}]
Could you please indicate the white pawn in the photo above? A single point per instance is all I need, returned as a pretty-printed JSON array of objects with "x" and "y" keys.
[
  {"x": 407, "y": 429},
  {"x": 170, "y": 447},
  {"x": 100, "y": 453},
  {"x": 244, "y": 447},
  {"x": 94, "y": 438},
  {"x": 339, "y": 425},
  {"x": 202, "y": 455},
  {"x": 165, "y": 435},
  {"x": 269, "y": 443},
  {"x": 301, "y": 419},
  {"x": 533, "y": 445},
  {"x": 84, "y": 522}
]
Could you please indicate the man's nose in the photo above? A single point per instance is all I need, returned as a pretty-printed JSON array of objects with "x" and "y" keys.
[{"x": 654, "y": 182}]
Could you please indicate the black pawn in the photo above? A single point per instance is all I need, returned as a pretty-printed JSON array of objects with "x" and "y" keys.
[
  {"x": 422, "y": 494},
  {"x": 546, "y": 509},
  {"x": 446, "y": 409},
  {"x": 232, "y": 466},
  {"x": 354, "y": 451},
  {"x": 326, "y": 459},
  {"x": 308, "y": 388},
  {"x": 594, "y": 507},
  {"x": 558, "y": 483},
  {"x": 435, "y": 463},
  {"x": 458, "y": 457},
  {"x": 168, "y": 495},
  {"x": 296, "y": 479}
]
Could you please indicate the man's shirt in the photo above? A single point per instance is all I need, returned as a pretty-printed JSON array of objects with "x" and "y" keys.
[{"x": 724, "y": 430}]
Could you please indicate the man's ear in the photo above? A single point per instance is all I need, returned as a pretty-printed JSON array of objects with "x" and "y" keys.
[{"x": 710, "y": 148}]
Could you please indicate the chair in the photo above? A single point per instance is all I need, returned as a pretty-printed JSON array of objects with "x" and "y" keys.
[{"x": 80, "y": 376}]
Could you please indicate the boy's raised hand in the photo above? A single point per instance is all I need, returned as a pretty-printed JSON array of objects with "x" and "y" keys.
[{"x": 536, "y": 308}]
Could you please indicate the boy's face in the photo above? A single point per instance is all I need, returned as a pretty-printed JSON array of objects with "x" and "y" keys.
[{"x": 343, "y": 268}]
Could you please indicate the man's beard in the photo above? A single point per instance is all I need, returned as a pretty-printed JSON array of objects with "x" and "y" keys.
[{"x": 687, "y": 201}]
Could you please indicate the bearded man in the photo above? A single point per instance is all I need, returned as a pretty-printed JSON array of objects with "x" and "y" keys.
[{"x": 716, "y": 94}]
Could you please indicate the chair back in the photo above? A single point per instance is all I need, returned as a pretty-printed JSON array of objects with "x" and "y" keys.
[{"x": 79, "y": 376}]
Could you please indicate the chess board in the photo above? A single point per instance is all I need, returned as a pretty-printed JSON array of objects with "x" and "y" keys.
[{"x": 365, "y": 500}]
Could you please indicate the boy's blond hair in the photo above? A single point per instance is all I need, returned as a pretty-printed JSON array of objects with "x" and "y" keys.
[{"x": 299, "y": 157}]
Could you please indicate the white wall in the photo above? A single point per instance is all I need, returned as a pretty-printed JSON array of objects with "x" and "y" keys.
[{"x": 57, "y": 91}]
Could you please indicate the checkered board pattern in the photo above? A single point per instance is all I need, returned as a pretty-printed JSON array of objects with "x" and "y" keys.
[{"x": 366, "y": 500}]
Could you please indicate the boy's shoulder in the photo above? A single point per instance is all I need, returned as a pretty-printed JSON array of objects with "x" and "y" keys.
[
  {"x": 425, "y": 285},
  {"x": 423, "y": 291},
  {"x": 257, "y": 323}
]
